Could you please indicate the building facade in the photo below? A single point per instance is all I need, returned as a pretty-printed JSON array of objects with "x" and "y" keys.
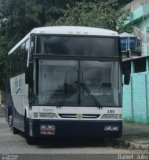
[
  {"x": 139, "y": 19},
  {"x": 136, "y": 94}
]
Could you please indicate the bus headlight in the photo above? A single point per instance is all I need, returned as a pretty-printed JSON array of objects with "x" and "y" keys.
[
  {"x": 111, "y": 116},
  {"x": 47, "y": 115}
]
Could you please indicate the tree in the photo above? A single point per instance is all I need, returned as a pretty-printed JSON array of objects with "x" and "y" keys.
[
  {"x": 121, "y": 20},
  {"x": 18, "y": 17},
  {"x": 3, "y": 9},
  {"x": 98, "y": 14},
  {"x": 4, "y": 43}
]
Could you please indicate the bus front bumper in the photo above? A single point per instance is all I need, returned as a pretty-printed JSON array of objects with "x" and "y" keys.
[{"x": 75, "y": 128}]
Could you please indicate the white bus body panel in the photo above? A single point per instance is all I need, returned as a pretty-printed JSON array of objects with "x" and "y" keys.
[
  {"x": 79, "y": 111},
  {"x": 19, "y": 92}
]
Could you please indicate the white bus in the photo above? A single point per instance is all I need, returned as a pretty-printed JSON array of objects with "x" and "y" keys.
[{"x": 65, "y": 82}]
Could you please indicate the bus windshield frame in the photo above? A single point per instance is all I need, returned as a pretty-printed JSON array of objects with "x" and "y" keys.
[
  {"x": 78, "y": 46},
  {"x": 41, "y": 57}
]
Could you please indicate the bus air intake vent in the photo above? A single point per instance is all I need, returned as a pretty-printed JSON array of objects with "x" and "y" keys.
[{"x": 83, "y": 116}]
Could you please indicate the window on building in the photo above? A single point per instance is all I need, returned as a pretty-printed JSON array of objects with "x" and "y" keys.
[{"x": 140, "y": 65}]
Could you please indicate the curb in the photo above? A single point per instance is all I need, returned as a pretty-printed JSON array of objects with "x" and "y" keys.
[{"x": 132, "y": 145}]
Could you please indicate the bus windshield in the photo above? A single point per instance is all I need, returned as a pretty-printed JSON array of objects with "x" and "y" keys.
[
  {"x": 77, "y": 83},
  {"x": 90, "y": 46}
]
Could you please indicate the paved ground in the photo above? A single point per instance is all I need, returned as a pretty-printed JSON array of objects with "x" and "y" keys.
[
  {"x": 130, "y": 129},
  {"x": 2, "y": 113},
  {"x": 15, "y": 147},
  {"x": 10, "y": 143},
  {"x": 136, "y": 135}
]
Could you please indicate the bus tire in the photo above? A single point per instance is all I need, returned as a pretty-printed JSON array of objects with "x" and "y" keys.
[
  {"x": 10, "y": 120},
  {"x": 30, "y": 140},
  {"x": 14, "y": 130},
  {"x": 9, "y": 116}
]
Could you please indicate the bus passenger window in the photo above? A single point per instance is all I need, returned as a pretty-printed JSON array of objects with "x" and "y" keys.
[{"x": 32, "y": 48}]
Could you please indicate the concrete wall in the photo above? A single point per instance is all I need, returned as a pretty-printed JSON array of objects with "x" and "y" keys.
[
  {"x": 135, "y": 4},
  {"x": 143, "y": 24},
  {"x": 136, "y": 98}
]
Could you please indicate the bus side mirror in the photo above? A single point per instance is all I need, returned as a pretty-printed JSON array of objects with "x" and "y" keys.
[
  {"x": 126, "y": 78},
  {"x": 126, "y": 70},
  {"x": 29, "y": 76}
]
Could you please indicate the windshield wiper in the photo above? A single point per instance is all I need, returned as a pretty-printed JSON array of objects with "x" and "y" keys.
[
  {"x": 84, "y": 86},
  {"x": 91, "y": 95},
  {"x": 61, "y": 102},
  {"x": 70, "y": 91}
]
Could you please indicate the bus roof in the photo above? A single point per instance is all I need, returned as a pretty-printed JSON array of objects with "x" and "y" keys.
[
  {"x": 67, "y": 30},
  {"x": 74, "y": 30}
]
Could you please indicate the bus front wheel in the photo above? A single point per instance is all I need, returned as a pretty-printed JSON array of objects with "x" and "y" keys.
[{"x": 10, "y": 120}]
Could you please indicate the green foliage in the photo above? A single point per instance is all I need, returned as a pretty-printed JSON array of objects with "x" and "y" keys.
[
  {"x": 3, "y": 47},
  {"x": 125, "y": 14},
  {"x": 18, "y": 17},
  {"x": 99, "y": 14}
]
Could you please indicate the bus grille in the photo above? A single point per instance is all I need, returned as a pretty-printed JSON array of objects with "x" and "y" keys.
[{"x": 83, "y": 116}]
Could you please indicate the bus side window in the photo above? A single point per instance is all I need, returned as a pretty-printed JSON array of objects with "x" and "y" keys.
[
  {"x": 12, "y": 67},
  {"x": 32, "y": 47},
  {"x": 22, "y": 59},
  {"x": 9, "y": 66},
  {"x": 15, "y": 62},
  {"x": 26, "y": 52}
]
